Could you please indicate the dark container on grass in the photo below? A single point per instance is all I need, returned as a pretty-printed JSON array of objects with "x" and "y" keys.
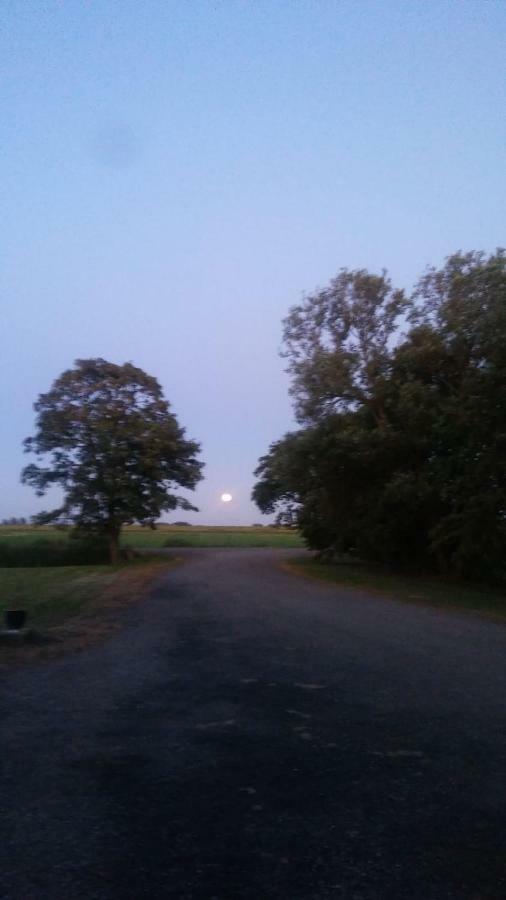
[{"x": 15, "y": 619}]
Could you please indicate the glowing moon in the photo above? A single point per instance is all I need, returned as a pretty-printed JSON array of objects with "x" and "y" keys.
[{"x": 226, "y": 498}]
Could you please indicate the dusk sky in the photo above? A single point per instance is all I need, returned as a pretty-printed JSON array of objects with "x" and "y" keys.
[{"x": 177, "y": 174}]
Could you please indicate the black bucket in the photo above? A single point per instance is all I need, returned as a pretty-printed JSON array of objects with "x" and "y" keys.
[{"x": 15, "y": 619}]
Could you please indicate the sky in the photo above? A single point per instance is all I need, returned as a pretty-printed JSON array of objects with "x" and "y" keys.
[{"x": 176, "y": 175}]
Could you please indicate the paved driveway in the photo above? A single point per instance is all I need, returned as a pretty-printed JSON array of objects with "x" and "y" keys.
[{"x": 250, "y": 734}]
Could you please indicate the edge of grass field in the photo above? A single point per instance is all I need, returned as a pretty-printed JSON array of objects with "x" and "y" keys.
[
  {"x": 419, "y": 591},
  {"x": 105, "y": 591}
]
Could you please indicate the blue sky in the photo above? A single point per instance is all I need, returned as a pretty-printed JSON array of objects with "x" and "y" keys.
[{"x": 176, "y": 175}]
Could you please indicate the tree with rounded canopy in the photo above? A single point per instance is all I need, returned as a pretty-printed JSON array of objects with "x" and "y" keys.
[{"x": 115, "y": 448}]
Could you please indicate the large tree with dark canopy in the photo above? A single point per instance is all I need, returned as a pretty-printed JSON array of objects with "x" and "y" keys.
[
  {"x": 401, "y": 453},
  {"x": 114, "y": 446},
  {"x": 338, "y": 344}
]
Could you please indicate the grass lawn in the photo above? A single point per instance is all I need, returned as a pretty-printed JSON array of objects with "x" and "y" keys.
[
  {"x": 53, "y": 594},
  {"x": 412, "y": 588}
]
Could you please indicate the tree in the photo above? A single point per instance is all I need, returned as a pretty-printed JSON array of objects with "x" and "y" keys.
[
  {"x": 338, "y": 341},
  {"x": 339, "y": 345},
  {"x": 401, "y": 453},
  {"x": 115, "y": 448},
  {"x": 456, "y": 351}
]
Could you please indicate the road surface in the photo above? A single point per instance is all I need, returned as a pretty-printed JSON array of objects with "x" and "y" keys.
[{"x": 251, "y": 734}]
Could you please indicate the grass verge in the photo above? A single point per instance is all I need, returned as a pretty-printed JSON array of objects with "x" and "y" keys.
[
  {"x": 52, "y": 594},
  {"x": 73, "y": 605},
  {"x": 411, "y": 588}
]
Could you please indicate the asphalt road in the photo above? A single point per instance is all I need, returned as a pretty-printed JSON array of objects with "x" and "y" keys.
[{"x": 250, "y": 734}]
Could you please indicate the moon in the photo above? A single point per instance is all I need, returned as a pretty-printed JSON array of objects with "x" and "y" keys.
[{"x": 226, "y": 498}]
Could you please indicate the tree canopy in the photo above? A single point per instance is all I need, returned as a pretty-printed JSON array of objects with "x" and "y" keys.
[
  {"x": 114, "y": 446},
  {"x": 337, "y": 343},
  {"x": 401, "y": 454}
]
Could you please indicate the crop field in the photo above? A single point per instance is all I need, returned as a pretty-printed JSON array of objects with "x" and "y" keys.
[
  {"x": 170, "y": 536},
  {"x": 211, "y": 536}
]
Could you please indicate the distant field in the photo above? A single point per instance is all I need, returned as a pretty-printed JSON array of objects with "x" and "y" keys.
[
  {"x": 174, "y": 536},
  {"x": 211, "y": 536}
]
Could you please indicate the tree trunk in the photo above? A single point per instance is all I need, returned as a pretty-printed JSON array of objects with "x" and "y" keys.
[{"x": 113, "y": 537}]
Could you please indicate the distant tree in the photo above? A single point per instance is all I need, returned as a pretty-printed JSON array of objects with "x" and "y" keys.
[
  {"x": 115, "y": 448},
  {"x": 181, "y": 524}
]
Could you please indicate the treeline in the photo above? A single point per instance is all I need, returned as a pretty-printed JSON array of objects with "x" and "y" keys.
[
  {"x": 20, "y": 520},
  {"x": 401, "y": 453}
]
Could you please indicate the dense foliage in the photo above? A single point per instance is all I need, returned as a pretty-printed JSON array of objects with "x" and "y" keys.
[
  {"x": 115, "y": 448},
  {"x": 79, "y": 550},
  {"x": 401, "y": 452}
]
